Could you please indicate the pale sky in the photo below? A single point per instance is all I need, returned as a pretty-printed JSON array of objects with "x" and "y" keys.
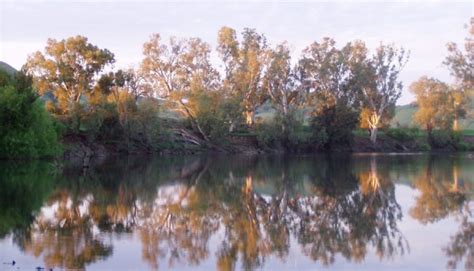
[{"x": 422, "y": 27}]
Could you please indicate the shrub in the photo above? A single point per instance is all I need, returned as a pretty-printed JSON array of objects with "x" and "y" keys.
[
  {"x": 440, "y": 138},
  {"x": 403, "y": 134},
  {"x": 462, "y": 146},
  {"x": 269, "y": 134},
  {"x": 424, "y": 146},
  {"x": 299, "y": 136},
  {"x": 334, "y": 126},
  {"x": 26, "y": 129}
]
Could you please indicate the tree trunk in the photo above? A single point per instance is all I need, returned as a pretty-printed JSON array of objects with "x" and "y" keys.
[
  {"x": 456, "y": 123},
  {"x": 373, "y": 135},
  {"x": 232, "y": 126},
  {"x": 374, "y": 120},
  {"x": 194, "y": 122},
  {"x": 250, "y": 117}
]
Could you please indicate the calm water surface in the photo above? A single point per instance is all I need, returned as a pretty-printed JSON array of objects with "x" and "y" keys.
[{"x": 371, "y": 212}]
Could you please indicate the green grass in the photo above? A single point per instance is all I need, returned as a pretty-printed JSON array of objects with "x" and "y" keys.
[{"x": 468, "y": 132}]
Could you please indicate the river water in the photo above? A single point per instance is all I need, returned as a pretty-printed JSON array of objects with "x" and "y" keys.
[{"x": 343, "y": 212}]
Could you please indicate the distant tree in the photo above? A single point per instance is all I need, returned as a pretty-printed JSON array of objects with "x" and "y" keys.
[
  {"x": 245, "y": 64},
  {"x": 69, "y": 69},
  {"x": 383, "y": 86},
  {"x": 439, "y": 105},
  {"x": 461, "y": 66}
]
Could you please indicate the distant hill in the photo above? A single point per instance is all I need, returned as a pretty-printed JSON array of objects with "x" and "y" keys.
[
  {"x": 404, "y": 116},
  {"x": 9, "y": 69}
]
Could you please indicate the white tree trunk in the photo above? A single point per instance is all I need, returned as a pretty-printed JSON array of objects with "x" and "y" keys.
[
  {"x": 456, "y": 123},
  {"x": 373, "y": 135},
  {"x": 250, "y": 117},
  {"x": 374, "y": 120}
]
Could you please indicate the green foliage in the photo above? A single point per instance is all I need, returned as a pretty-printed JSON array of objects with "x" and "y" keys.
[
  {"x": 462, "y": 146},
  {"x": 301, "y": 137},
  {"x": 269, "y": 134},
  {"x": 403, "y": 134},
  {"x": 458, "y": 141},
  {"x": 440, "y": 138},
  {"x": 211, "y": 114},
  {"x": 141, "y": 129},
  {"x": 424, "y": 146},
  {"x": 335, "y": 124},
  {"x": 145, "y": 124},
  {"x": 26, "y": 129}
]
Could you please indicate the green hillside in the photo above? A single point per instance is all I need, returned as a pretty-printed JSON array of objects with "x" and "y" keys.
[
  {"x": 9, "y": 69},
  {"x": 404, "y": 116}
]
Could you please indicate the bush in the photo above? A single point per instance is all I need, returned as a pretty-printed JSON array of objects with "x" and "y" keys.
[
  {"x": 462, "y": 146},
  {"x": 299, "y": 136},
  {"x": 269, "y": 134},
  {"x": 424, "y": 146},
  {"x": 403, "y": 134},
  {"x": 26, "y": 129},
  {"x": 333, "y": 126},
  {"x": 440, "y": 138}
]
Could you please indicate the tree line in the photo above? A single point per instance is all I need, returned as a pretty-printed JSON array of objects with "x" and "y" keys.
[{"x": 319, "y": 98}]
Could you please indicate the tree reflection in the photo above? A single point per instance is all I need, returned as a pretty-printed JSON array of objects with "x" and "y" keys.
[
  {"x": 347, "y": 222},
  {"x": 23, "y": 189},
  {"x": 462, "y": 245},
  {"x": 444, "y": 193},
  {"x": 330, "y": 206},
  {"x": 440, "y": 193}
]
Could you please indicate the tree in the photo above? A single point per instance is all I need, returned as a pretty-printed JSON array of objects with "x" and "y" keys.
[
  {"x": 69, "y": 69},
  {"x": 178, "y": 70},
  {"x": 461, "y": 66},
  {"x": 279, "y": 83},
  {"x": 330, "y": 74},
  {"x": 244, "y": 67},
  {"x": 26, "y": 129},
  {"x": 439, "y": 105},
  {"x": 330, "y": 82},
  {"x": 383, "y": 87},
  {"x": 122, "y": 89},
  {"x": 364, "y": 118}
]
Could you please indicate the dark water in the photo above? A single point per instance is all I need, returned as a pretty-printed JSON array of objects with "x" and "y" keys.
[{"x": 368, "y": 212}]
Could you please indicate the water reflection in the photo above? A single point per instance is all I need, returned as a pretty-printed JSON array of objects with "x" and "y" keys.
[
  {"x": 243, "y": 211},
  {"x": 444, "y": 192}
]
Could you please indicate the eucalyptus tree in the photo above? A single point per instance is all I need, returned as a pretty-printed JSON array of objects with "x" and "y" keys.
[
  {"x": 245, "y": 64},
  {"x": 178, "y": 70},
  {"x": 280, "y": 84},
  {"x": 461, "y": 66},
  {"x": 439, "y": 104},
  {"x": 383, "y": 86},
  {"x": 330, "y": 80},
  {"x": 68, "y": 68}
]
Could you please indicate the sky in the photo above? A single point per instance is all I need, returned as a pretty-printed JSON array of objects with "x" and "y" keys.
[{"x": 421, "y": 27}]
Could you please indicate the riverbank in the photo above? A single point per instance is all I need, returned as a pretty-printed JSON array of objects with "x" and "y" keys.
[{"x": 80, "y": 149}]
